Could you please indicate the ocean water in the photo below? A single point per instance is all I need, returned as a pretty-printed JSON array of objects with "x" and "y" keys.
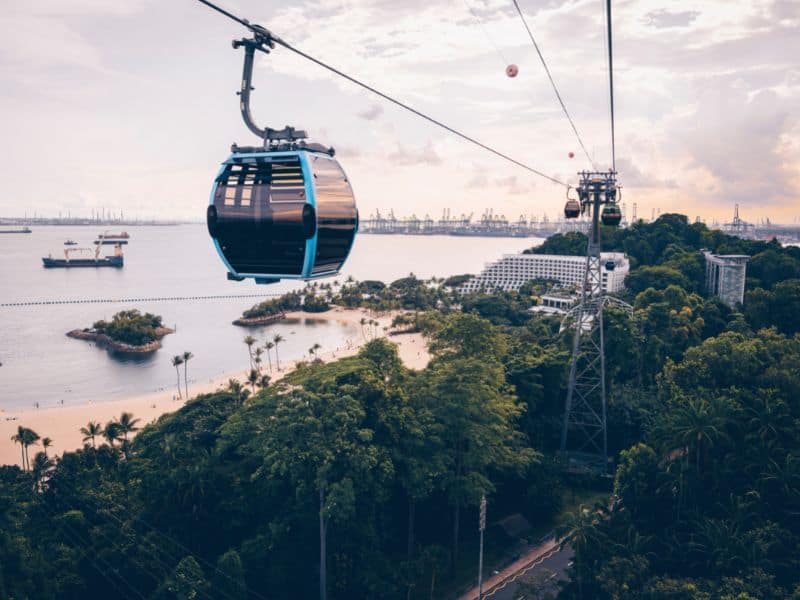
[{"x": 41, "y": 365}]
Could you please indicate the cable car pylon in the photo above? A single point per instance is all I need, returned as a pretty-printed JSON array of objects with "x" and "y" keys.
[{"x": 584, "y": 433}]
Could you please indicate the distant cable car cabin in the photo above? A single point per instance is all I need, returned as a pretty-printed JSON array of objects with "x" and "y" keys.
[
  {"x": 572, "y": 209},
  {"x": 611, "y": 215}
]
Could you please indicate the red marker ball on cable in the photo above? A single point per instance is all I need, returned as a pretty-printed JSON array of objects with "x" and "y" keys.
[
  {"x": 572, "y": 155},
  {"x": 512, "y": 70}
]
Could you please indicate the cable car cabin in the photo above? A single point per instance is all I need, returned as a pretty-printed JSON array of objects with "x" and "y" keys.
[
  {"x": 282, "y": 215},
  {"x": 610, "y": 265},
  {"x": 572, "y": 209},
  {"x": 611, "y": 215}
]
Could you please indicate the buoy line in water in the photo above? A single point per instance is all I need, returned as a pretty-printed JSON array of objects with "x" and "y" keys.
[{"x": 130, "y": 300}]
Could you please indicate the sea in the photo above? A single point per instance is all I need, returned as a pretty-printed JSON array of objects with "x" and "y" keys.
[{"x": 42, "y": 367}]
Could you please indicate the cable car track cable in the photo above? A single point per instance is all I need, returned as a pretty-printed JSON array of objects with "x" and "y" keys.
[
  {"x": 610, "y": 84},
  {"x": 334, "y": 70},
  {"x": 552, "y": 82}
]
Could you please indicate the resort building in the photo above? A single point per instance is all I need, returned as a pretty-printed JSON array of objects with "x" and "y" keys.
[
  {"x": 514, "y": 270},
  {"x": 725, "y": 276},
  {"x": 555, "y": 303}
]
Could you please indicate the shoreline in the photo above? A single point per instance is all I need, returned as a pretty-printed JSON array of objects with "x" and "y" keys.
[{"x": 62, "y": 423}]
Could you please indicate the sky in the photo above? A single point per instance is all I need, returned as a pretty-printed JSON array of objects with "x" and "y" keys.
[{"x": 131, "y": 105}]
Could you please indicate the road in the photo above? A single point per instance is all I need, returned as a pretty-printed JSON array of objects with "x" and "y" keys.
[
  {"x": 548, "y": 572},
  {"x": 545, "y": 561}
]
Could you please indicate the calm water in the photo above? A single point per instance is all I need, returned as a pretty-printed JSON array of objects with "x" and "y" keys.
[{"x": 40, "y": 364}]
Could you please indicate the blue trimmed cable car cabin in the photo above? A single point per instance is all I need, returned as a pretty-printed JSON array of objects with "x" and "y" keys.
[{"x": 282, "y": 214}]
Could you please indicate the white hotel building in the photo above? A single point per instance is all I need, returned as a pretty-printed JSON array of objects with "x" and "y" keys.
[{"x": 514, "y": 270}]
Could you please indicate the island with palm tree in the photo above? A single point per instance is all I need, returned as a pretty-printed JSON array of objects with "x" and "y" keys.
[
  {"x": 129, "y": 331},
  {"x": 269, "y": 311}
]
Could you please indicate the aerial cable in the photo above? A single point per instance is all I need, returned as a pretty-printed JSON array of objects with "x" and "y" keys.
[
  {"x": 610, "y": 84},
  {"x": 486, "y": 33},
  {"x": 276, "y": 40},
  {"x": 552, "y": 81}
]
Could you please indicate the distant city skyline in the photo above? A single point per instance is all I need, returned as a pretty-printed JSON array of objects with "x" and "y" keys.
[{"x": 132, "y": 107}]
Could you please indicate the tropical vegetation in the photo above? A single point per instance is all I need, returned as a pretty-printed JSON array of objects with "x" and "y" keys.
[{"x": 360, "y": 478}]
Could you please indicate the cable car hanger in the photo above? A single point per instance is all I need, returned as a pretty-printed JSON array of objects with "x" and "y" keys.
[{"x": 263, "y": 40}]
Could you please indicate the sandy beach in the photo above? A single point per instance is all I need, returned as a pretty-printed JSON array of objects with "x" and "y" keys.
[{"x": 62, "y": 424}]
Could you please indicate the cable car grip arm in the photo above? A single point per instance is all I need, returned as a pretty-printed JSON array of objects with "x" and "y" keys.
[{"x": 264, "y": 41}]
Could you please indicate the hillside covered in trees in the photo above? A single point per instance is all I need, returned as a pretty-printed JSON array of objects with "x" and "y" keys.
[{"x": 367, "y": 476}]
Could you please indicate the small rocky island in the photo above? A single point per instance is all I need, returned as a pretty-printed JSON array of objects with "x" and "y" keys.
[
  {"x": 128, "y": 331},
  {"x": 269, "y": 311}
]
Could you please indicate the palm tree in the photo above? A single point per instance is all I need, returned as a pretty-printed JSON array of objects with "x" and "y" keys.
[
  {"x": 252, "y": 379},
  {"x": 250, "y": 340},
  {"x": 30, "y": 437},
  {"x": 19, "y": 438},
  {"x": 187, "y": 356},
  {"x": 111, "y": 433},
  {"x": 41, "y": 467},
  {"x": 269, "y": 346},
  {"x": 177, "y": 361},
  {"x": 313, "y": 350},
  {"x": 257, "y": 360},
  {"x": 698, "y": 423},
  {"x": 235, "y": 388},
  {"x": 127, "y": 424},
  {"x": 363, "y": 322},
  {"x": 91, "y": 431},
  {"x": 46, "y": 443},
  {"x": 277, "y": 340},
  {"x": 263, "y": 381},
  {"x": 579, "y": 531}
]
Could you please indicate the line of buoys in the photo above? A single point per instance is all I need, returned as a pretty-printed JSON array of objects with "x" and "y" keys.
[{"x": 131, "y": 300}]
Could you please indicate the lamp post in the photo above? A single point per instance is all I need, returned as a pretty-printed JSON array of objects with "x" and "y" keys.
[{"x": 481, "y": 528}]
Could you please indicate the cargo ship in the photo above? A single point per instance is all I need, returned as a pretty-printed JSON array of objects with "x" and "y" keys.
[
  {"x": 23, "y": 230},
  {"x": 96, "y": 261}
]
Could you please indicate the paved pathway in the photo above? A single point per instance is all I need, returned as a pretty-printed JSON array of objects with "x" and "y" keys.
[{"x": 497, "y": 584}]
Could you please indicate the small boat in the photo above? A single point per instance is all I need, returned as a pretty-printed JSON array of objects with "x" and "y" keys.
[{"x": 70, "y": 243}]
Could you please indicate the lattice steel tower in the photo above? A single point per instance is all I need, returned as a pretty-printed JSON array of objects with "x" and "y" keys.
[{"x": 584, "y": 434}]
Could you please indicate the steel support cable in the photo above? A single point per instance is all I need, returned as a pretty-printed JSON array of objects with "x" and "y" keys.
[
  {"x": 166, "y": 537},
  {"x": 106, "y": 516},
  {"x": 75, "y": 537},
  {"x": 486, "y": 33},
  {"x": 610, "y": 84},
  {"x": 386, "y": 97},
  {"x": 552, "y": 82}
]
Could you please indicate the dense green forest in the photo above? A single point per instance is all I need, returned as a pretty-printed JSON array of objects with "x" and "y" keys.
[{"x": 367, "y": 475}]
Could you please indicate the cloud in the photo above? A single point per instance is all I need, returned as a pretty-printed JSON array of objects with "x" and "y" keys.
[
  {"x": 664, "y": 19},
  {"x": 372, "y": 113},
  {"x": 478, "y": 181},
  {"x": 740, "y": 143},
  {"x": 406, "y": 157},
  {"x": 511, "y": 185},
  {"x": 632, "y": 176}
]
